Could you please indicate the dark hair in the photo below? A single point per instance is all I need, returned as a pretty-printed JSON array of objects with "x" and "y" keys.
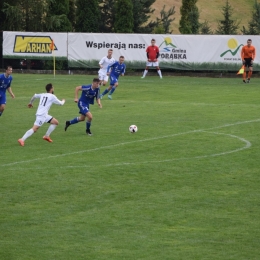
[
  {"x": 96, "y": 80},
  {"x": 48, "y": 87},
  {"x": 249, "y": 40},
  {"x": 110, "y": 49},
  {"x": 7, "y": 67},
  {"x": 121, "y": 57},
  {"x": 153, "y": 40}
]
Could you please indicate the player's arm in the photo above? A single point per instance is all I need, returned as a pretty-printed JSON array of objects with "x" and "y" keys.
[
  {"x": 11, "y": 92},
  {"x": 77, "y": 89},
  {"x": 97, "y": 98},
  {"x": 101, "y": 63},
  {"x": 157, "y": 53},
  {"x": 58, "y": 102},
  {"x": 253, "y": 54},
  {"x": 123, "y": 71},
  {"x": 32, "y": 99},
  {"x": 109, "y": 68},
  {"x": 242, "y": 54}
]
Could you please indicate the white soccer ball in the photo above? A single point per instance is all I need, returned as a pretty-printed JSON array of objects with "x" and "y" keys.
[{"x": 133, "y": 128}]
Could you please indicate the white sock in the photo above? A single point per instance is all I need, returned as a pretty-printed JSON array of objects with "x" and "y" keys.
[
  {"x": 27, "y": 134},
  {"x": 50, "y": 129},
  {"x": 145, "y": 72},
  {"x": 160, "y": 73}
]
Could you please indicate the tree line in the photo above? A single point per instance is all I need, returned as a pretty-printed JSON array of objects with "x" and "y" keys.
[{"x": 115, "y": 16}]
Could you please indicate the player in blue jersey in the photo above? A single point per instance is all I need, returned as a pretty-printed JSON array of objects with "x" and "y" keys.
[
  {"x": 5, "y": 84},
  {"x": 89, "y": 93},
  {"x": 114, "y": 70}
]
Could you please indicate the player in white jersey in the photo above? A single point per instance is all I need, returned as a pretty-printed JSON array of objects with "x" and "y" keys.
[
  {"x": 42, "y": 116},
  {"x": 103, "y": 64}
]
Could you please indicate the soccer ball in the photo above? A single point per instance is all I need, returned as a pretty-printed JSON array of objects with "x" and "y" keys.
[{"x": 133, "y": 128}]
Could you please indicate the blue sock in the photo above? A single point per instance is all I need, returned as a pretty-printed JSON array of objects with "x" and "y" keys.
[
  {"x": 74, "y": 121},
  {"x": 0, "y": 113},
  {"x": 105, "y": 92},
  {"x": 88, "y": 124},
  {"x": 112, "y": 90}
]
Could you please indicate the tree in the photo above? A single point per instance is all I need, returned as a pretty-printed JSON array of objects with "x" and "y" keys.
[
  {"x": 124, "y": 20},
  {"x": 107, "y": 9},
  {"x": 254, "y": 23},
  {"x": 205, "y": 28},
  {"x": 228, "y": 25},
  {"x": 189, "y": 22},
  {"x": 141, "y": 12},
  {"x": 72, "y": 13},
  {"x": 88, "y": 16},
  {"x": 164, "y": 21}
]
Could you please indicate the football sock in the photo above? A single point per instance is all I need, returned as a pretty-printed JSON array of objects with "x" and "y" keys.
[
  {"x": 27, "y": 134},
  {"x": 159, "y": 72},
  {"x": 74, "y": 121},
  {"x": 0, "y": 113},
  {"x": 244, "y": 76},
  {"x": 145, "y": 72},
  {"x": 112, "y": 90},
  {"x": 250, "y": 74},
  {"x": 50, "y": 129},
  {"x": 88, "y": 124},
  {"x": 105, "y": 92}
]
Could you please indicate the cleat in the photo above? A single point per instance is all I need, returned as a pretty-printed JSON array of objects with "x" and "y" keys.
[
  {"x": 67, "y": 124},
  {"x": 21, "y": 142},
  {"x": 160, "y": 77},
  {"x": 244, "y": 81},
  {"x": 248, "y": 81},
  {"x": 47, "y": 138},
  {"x": 101, "y": 96},
  {"x": 88, "y": 132},
  {"x": 142, "y": 77},
  {"x": 109, "y": 96}
]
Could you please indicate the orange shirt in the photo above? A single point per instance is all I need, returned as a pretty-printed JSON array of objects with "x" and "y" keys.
[{"x": 248, "y": 52}]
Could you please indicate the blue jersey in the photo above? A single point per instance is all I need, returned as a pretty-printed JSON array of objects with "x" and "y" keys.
[
  {"x": 88, "y": 94},
  {"x": 116, "y": 69},
  {"x": 5, "y": 83}
]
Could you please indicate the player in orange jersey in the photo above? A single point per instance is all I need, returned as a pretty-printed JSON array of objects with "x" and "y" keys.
[{"x": 248, "y": 55}]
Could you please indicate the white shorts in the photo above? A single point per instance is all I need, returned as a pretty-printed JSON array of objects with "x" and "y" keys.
[
  {"x": 152, "y": 64},
  {"x": 103, "y": 76},
  {"x": 40, "y": 120}
]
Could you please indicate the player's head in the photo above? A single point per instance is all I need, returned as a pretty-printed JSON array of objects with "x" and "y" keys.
[
  {"x": 49, "y": 88},
  {"x": 95, "y": 83},
  {"x": 121, "y": 59},
  {"x": 153, "y": 42},
  {"x": 109, "y": 53},
  {"x": 249, "y": 42},
  {"x": 8, "y": 70}
]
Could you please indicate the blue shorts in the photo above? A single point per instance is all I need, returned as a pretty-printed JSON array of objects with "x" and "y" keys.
[
  {"x": 83, "y": 108},
  {"x": 2, "y": 98},
  {"x": 113, "y": 80}
]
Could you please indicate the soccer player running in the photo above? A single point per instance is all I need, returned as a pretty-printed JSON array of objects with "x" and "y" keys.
[
  {"x": 115, "y": 70},
  {"x": 5, "y": 84},
  {"x": 103, "y": 64},
  {"x": 248, "y": 54},
  {"x": 42, "y": 116},
  {"x": 152, "y": 53},
  {"x": 89, "y": 93}
]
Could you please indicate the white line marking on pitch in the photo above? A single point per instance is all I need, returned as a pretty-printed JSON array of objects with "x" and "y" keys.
[{"x": 149, "y": 139}]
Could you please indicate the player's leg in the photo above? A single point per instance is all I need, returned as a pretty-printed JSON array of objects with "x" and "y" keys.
[
  {"x": 250, "y": 72},
  {"x": 158, "y": 70},
  {"x": 53, "y": 124},
  {"x": 245, "y": 70},
  {"x": 113, "y": 89},
  {"x": 146, "y": 70},
  {"x": 2, "y": 108},
  {"x": 83, "y": 109},
  {"x": 88, "y": 123},
  {"x": 30, "y": 132},
  {"x": 107, "y": 89},
  {"x": 105, "y": 80}
]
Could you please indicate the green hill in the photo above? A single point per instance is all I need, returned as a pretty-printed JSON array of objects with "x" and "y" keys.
[{"x": 210, "y": 10}]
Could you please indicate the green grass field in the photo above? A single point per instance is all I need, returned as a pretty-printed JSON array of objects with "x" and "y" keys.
[{"x": 185, "y": 186}]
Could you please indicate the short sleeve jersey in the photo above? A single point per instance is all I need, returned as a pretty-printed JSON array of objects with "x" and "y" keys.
[
  {"x": 5, "y": 82},
  {"x": 117, "y": 69},
  {"x": 88, "y": 94},
  {"x": 248, "y": 52},
  {"x": 152, "y": 52},
  {"x": 105, "y": 62},
  {"x": 46, "y": 100}
]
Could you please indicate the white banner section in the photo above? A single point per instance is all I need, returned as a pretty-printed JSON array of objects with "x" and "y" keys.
[
  {"x": 84, "y": 50},
  {"x": 34, "y": 45}
]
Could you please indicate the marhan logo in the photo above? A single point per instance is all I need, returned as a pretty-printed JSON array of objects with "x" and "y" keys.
[
  {"x": 233, "y": 47},
  {"x": 33, "y": 44}
]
